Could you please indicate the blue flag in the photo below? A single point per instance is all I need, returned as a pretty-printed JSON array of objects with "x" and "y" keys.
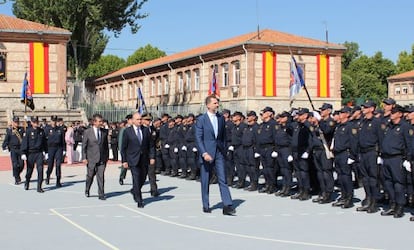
[
  {"x": 296, "y": 79},
  {"x": 26, "y": 95},
  {"x": 140, "y": 102}
]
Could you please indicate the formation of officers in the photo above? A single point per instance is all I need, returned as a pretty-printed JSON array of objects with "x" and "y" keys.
[{"x": 320, "y": 149}]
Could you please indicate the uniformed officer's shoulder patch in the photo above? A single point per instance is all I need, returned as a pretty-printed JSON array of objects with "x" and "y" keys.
[
  {"x": 411, "y": 132},
  {"x": 383, "y": 126},
  {"x": 354, "y": 131},
  {"x": 311, "y": 129}
]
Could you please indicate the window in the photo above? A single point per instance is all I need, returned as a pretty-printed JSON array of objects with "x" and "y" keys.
[
  {"x": 188, "y": 80},
  {"x": 225, "y": 78},
  {"x": 397, "y": 91},
  {"x": 120, "y": 92},
  {"x": 196, "y": 79},
  {"x": 236, "y": 72},
  {"x": 166, "y": 85},
  {"x": 3, "y": 66},
  {"x": 180, "y": 83},
  {"x": 152, "y": 83},
  {"x": 130, "y": 93},
  {"x": 159, "y": 86},
  {"x": 405, "y": 90}
]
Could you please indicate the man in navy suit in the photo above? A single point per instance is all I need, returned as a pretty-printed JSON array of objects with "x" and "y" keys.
[
  {"x": 211, "y": 142},
  {"x": 137, "y": 153}
]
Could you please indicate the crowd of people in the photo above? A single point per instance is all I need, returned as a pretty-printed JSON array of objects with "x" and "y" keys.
[{"x": 299, "y": 152}]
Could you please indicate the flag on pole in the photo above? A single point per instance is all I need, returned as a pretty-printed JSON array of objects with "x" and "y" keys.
[
  {"x": 296, "y": 79},
  {"x": 140, "y": 102},
  {"x": 214, "y": 90},
  {"x": 26, "y": 97}
]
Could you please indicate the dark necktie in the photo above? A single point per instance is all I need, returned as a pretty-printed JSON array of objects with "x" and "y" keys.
[
  {"x": 139, "y": 135},
  {"x": 99, "y": 136}
]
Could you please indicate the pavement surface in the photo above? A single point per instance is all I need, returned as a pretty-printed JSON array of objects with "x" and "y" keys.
[{"x": 63, "y": 218}]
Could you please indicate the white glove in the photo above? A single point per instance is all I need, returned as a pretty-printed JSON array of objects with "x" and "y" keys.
[
  {"x": 194, "y": 149},
  {"x": 184, "y": 148},
  {"x": 274, "y": 154},
  {"x": 166, "y": 146},
  {"x": 407, "y": 165},
  {"x": 64, "y": 153},
  {"x": 256, "y": 155},
  {"x": 380, "y": 161},
  {"x": 26, "y": 118},
  {"x": 46, "y": 156},
  {"x": 316, "y": 115},
  {"x": 5, "y": 151},
  {"x": 290, "y": 158},
  {"x": 24, "y": 157},
  {"x": 260, "y": 166},
  {"x": 305, "y": 155},
  {"x": 349, "y": 161},
  {"x": 175, "y": 150},
  {"x": 231, "y": 148}
]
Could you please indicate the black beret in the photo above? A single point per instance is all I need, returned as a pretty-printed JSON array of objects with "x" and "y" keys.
[
  {"x": 389, "y": 101},
  {"x": 251, "y": 113},
  {"x": 326, "y": 106},
  {"x": 268, "y": 109}
]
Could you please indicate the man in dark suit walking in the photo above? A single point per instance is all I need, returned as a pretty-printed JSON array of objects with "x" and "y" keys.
[
  {"x": 95, "y": 154},
  {"x": 137, "y": 153},
  {"x": 211, "y": 142}
]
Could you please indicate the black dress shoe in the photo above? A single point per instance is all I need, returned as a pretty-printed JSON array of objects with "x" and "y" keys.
[
  {"x": 102, "y": 197},
  {"x": 229, "y": 210},
  {"x": 26, "y": 185},
  {"x": 40, "y": 190},
  {"x": 206, "y": 210},
  {"x": 87, "y": 193},
  {"x": 47, "y": 180},
  {"x": 412, "y": 218},
  {"x": 58, "y": 184},
  {"x": 121, "y": 182},
  {"x": 155, "y": 193},
  {"x": 16, "y": 182},
  {"x": 140, "y": 204}
]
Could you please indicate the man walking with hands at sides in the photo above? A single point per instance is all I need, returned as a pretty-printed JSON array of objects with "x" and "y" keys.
[
  {"x": 211, "y": 143},
  {"x": 137, "y": 153},
  {"x": 95, "y": 154}
]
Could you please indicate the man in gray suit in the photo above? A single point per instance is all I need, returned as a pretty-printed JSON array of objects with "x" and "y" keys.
[{"x": 95, "y": 153}]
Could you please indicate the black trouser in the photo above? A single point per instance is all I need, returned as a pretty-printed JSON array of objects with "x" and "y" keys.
[
  {"x": 344, "y": 173},
  {"x": 369, "y": 173},
  {"x": 251, "y": 164},
  {"x": 323, "y": 170},
  {"x": 17, "y": 162},
  {"x": 114, "y": 148},
  {"x": 173, "y": 157},
  {"x": 394, "y": 177},
  {"x": 269, "y": 167},
  {"x": 55, "y": 154},
  {"x": 139, "y": 175},
  {"x": 159, "y": 166},
  {"x": 192, "y": 161},
  {"x": 285, "y": 166},
  {"x": 302, "y": 170},
  {"x": 32, "y": 159},
  {"x": 152, "y": 177},
  {"x": 240, "y": 168},
  {"x": 182, "y": 161},
  {"x": 98, "y": 170},
  {"x": 229, "y": 166}
]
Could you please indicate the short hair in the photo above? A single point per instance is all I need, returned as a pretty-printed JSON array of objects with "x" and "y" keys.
[
  {"x": 96, "y": 116},
  {"x": 210, "y": 98}
]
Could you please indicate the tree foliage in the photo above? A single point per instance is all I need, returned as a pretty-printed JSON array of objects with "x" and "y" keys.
[
  {"x": 106, "y": 64},
  {"x": 352, "y": 52},
  {"x": 87, "y": 20},
  {"x": 405, "y": 62},
  {"x": 144, "y": 54}
]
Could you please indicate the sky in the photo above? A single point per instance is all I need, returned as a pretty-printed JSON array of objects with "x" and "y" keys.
[{"x": 178, "y": 25}]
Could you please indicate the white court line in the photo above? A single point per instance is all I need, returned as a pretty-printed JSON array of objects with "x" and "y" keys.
[
  {"x": 96, "y": 237},
  {"x": 242, "y": 235}
]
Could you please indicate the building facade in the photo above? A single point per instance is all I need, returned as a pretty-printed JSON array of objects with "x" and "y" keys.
[
  {"x": 401, "y": 87},
  {"x": 251, "y": 71},
  {"x": 39, "y": 52}
]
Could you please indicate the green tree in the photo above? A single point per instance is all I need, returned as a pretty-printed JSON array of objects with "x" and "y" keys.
[
  {"x": 144, "y": 54},
  {"x": 352, "y": 52},
  {"x": 105, "y": 64},
  {"x": 405, "y": 62},
  {"x": 87, "y": 20}
]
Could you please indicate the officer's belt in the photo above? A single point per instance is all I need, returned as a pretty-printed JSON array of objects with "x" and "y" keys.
[
  {"x": 267, "y": 145},
  {"x": 318, "y": 148},
  {"x": 390, "y": 155},
  {"x": 365, "y": 150},
  {"x": 34, "y": 151},
  {"x": 247, "y": 146},
  {"x": 338, "y": 152},
  {"x": 54, "y": 145}
]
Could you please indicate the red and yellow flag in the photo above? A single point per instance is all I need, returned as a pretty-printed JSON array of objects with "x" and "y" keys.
[
  {"x": 269, "y": 73},
  {"x": 39, "y": 68},
  {"x": 322, "y": 62}
]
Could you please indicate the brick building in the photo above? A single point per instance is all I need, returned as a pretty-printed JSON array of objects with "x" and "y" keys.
[
  {"x": 401, "y": 87},
  {"x": 38, "y": 50},
  {"x": 251, "y": 70}
]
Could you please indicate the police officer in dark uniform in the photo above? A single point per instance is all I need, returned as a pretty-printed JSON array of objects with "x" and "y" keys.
[
  {"x": 344, "y": 148},
  {"x": 250, "y": 156},
  {"x": 12, "y": 142},
  {"x": 165, "y": 132},
  {"x": 301, "y": 149},
  {"x": 369, "y": 138},
  {"x": 410, "y": 174},
  {"x": 113, "y": 140},
  {"x": 182, "y": 149},
  {"x": 191, "y": 147},
  {"x": 237, "y": 148},
  {"x": 356, "y": 120},
  {"x": 265, "y": 147},
  {"x": 229, "y": 162},
  {"x": 396, "y": 154},
  {"x": 175, "y": 138},
  {"x": 55, "y": 137},
  {"x": 123, "y": 173},
  {"x": 152, "y": 177},
  {"x": 158, "y": 154},
  {"x": 283, "y": 151},
  {"x": 33, "y": 148}
]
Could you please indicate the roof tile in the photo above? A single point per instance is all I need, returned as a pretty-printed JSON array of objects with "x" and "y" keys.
[{"x": 12, "y": 24}]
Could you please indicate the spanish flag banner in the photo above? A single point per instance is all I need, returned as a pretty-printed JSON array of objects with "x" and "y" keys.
[
  {"x": 269, "y": 73},
  {"x": 322, "y": 62},
  {"x": 39, "y": 68}
]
